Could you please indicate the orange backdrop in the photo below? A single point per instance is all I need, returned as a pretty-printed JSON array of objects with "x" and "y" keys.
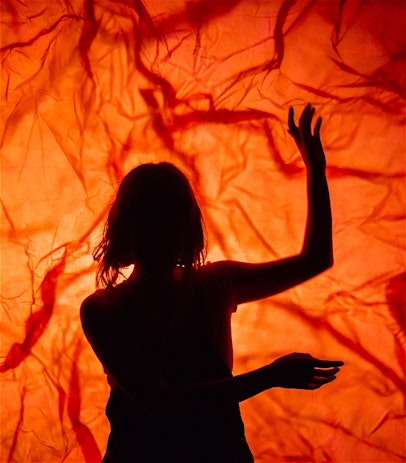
[{"x": 91, "y": 88}]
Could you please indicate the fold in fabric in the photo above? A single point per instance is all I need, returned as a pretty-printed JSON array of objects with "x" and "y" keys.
[{"x": 91, "y": 89}]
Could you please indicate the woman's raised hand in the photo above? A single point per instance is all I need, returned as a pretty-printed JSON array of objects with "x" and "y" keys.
[
  {"x": 309, "y": 143},
  {"x": 302, "y": 371}
]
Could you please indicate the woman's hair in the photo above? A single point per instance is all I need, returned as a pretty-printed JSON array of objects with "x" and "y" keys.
[{"x": 154, "y": 222}]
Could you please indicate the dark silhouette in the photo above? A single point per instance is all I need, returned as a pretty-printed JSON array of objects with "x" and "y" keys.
[{"x": 163, "y": 334}]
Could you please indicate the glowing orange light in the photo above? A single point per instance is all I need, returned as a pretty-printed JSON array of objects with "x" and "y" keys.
[{"x": 92, "y": 88}]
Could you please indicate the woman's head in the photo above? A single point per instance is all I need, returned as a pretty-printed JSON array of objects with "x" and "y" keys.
[{"x": 155, "y": 223}]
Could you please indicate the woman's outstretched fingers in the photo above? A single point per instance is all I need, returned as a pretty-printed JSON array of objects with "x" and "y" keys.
[
  {"x": 325, "y": 373},
  {"x": 303, "y": 371},
  {"x": 304, "y": 117},
  {"x": 306, "y": 137},
  {"x": 318, "y": 363},
  {"x": 292, "y": 128},
  {"x": 322, "y": 376},
  {"x": 317, "y": 127}
]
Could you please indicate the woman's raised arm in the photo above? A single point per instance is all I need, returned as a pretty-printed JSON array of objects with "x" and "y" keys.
[{"x": 256, "y": 281}]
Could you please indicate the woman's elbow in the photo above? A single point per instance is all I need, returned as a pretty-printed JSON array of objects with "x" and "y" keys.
[
  {"x": 317, "y": 263},
  {"x": 323, "y": 263}
]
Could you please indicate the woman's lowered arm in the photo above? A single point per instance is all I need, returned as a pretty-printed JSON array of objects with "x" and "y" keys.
[{"x": 132, "y": 370}]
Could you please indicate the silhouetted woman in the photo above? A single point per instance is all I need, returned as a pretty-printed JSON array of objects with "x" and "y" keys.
[{"x": 163, "y": 335}]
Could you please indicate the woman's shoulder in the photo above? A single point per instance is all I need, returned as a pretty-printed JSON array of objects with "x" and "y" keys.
[
  {"x": 217, "y": 280},
  {"x": 218, "y": 271},
  {"x": 97, "y": 306}
]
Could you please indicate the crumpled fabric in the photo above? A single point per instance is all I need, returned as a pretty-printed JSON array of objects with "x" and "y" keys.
[{"x": 93, "y": 88}]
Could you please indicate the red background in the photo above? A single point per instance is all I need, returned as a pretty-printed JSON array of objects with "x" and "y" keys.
[{"x": 92, "y": 88}]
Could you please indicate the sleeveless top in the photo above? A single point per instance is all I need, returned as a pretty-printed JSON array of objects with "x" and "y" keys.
[{"x": 199, "y": 435}]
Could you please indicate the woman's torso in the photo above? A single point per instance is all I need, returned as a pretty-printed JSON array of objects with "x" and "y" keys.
[{"x": 184, "y": 327}]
